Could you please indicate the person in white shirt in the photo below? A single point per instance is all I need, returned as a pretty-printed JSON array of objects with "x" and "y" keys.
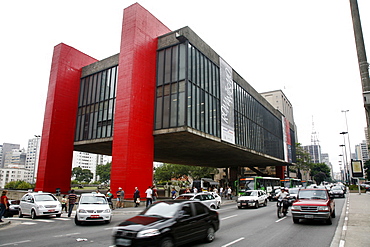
[
  {"x": 195, "y": 190},
  {"x": 149, "y": 198}
]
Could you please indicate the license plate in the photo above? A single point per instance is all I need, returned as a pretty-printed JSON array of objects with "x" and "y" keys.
[
  {"x": 94, "y": 216},
  {"x": 244, "y": 204},
  {"x": 308, "y": 216},
  {"x": 51, "y": 210},
  {"x": 123, "y": 242}
]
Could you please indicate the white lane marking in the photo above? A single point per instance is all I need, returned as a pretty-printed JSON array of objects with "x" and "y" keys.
[
  {"x": 341, "y": 243},
  {"x": 229, "y": 217},
  {"x": 280, "y": 219},
  {"x": 233, "y": 242},
  {"x": 16, "y": 243},
  {"x": 28, "y": 223},
  {"x": 68, "y": 234}
]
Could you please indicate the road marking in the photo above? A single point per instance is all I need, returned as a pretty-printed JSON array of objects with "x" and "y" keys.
[
  {"x": 280, "y": 219},
  {"x": 341, "y": 243},
  {"x": 28, "y": 223},
  {"x": 233, "y": 242},
  {"x": 16, "y": 243},
  {"x": 229, "y": 217},
  {"x": 68, "y": 234}
]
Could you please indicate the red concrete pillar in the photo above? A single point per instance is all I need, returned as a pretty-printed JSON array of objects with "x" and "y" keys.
[
  {"x": 133, "y": 141},
  {"x": 56, "y": 150}
]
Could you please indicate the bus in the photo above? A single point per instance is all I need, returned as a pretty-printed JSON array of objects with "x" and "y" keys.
[
  {"x": 267, "y": 184},
  {"x": 291, "y": 182},
  {"x": 204, "y": 184},
  {"x": 306, "y": 183}
]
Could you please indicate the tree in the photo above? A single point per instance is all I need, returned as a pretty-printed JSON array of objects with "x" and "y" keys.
[
  {"x": 172, "y": 171},
  {"x": 82, "y": 175},
  {"x": 317, "y": 168},
  {"x": 103, "y": 171},
  {"x": 303, "y": 161},
  {"x": 18, "y": 185},
  {"x": 320, "y": 177}
]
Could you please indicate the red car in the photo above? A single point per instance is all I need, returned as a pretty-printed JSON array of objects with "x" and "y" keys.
[{"x": 313, "y": 204}]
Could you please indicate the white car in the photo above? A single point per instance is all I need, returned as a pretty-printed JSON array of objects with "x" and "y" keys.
[
  {"x": 93, "y": 207},
  {"x": 39, "y": 204},
  {"x": 217, "y": 197},
  {"x": 252, "y": 198},
  {"x": 204, "y": 197}
]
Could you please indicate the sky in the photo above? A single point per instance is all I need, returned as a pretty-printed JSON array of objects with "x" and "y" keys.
[{"x": 306, "y": 48}]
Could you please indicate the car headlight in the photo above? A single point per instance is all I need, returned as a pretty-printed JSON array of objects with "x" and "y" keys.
[
  {"x": 324, "y": 208},
  {"x": 107, "y": 211},
  {"x": 40, "y": 206},
  {"x": 82, "y": 211},
  {"x": 148, "y": 233},
  {"x": 296, "y": 207}
]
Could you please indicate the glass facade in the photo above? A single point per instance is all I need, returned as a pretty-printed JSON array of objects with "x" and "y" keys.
[
  {"x": 96, "y": 105},
  {"x": 188, "y": 94}
]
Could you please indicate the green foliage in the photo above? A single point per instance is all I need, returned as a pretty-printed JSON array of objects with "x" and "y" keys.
[
  {"x": 320, "y": 172},
  {"x": 18, "y": 185},
  {"x": 303, "y": 161},
  {"x": 172, "y": 171},
  {"x": 103, "y": 171},
  {"x": 82, "y": 175}
]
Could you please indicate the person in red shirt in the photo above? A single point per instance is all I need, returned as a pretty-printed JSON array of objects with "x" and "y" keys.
[{"x": 4, "y": 204}]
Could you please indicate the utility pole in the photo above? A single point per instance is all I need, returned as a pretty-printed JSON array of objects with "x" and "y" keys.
[{"x": 362, "y": 60}]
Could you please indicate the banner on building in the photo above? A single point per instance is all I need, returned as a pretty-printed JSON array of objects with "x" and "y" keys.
[
  {"x": 287, "y": 143},
  {"x": 227, "y": 102}
]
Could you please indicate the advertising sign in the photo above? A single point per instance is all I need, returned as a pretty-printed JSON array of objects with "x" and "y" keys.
[
  {"x": 287, "y": 143},
  {"x": 356, "y": 166},
  {"x": 227, "y": 102}
]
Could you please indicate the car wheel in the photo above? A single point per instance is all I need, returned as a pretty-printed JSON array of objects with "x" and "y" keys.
[
  {"x": 106, "y": 221},
  {"x": 213, "y": 206},
  {"x": 266, "y": 202},
  {"x": 167, "y": 242},
  {"x": 58, "y": 215},
  {"x": 239, "y": 207},
  {"x": 77, "y": 222},
  {"x": 210, "y": 234},
  {"x": 33, "y": 214},
  {"x": 20, "y": 214},
  {"x": 329, "y": 221},
  {"x": 333, "y": 214},
  {"x": 295, "y": 220},
  {"x": 257, "y": 204}
]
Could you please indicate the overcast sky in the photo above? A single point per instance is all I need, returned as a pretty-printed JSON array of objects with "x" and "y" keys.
[{"x": 306, "y": 48}]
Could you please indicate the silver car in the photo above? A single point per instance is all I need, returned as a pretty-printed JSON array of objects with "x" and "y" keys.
[
  {"x": 206, "y": 198},
  {"x": 39, "y": 204}
]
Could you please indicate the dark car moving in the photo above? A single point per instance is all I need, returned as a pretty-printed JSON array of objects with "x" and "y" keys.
[{"x": 168, "y": 223}]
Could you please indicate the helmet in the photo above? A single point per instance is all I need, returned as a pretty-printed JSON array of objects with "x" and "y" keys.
[{"x": 286, "y": 189}]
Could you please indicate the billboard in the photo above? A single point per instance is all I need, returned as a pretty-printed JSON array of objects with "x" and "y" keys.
[
  {"x": 227, "y": 102},
  {"x": 356, "y": 166},
  {"x": 287, "y": 143}
]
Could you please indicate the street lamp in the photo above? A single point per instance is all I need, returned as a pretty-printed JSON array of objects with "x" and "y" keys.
[{"x": 349, "y": 143}]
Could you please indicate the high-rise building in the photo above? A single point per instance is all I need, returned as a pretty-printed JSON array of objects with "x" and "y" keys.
[
  {"x": 89, "y": 161},
  {"x": 33, "y": 150},
  {"x": 7, "y": 153},
  {"x": 362, "y": 152},
  {"x": 315, "y": 153}
]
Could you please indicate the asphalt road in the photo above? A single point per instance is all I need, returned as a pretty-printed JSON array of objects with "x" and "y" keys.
[{"x": 239, "y": 227}]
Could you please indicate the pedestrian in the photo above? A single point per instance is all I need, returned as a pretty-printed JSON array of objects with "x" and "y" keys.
[
  {"x": 149, "y": 193},
  {"x": 187, "y": 190},
  {"x": 4, "y": 204},
  {"x": 137, "y": 197},
  {"x": 72, "y": 198},
  {"x": 120, "y": 196},
  {"x": 229, "y": 193},
  {"x": 109, "y": 196},
  {"x": 221, "y": 190},
  {"x": 64, "y": 203},
  {"x": 195, "y": 190},
  {"x": 173, "y": 193},
  {"x": 155, "y": 194}
]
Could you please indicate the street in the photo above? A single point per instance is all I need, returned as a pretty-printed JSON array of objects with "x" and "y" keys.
[{"x": 239, "y": 227}]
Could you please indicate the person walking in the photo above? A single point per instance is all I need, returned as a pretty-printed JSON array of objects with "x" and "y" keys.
[
  {"x": 4, "y": 204},
  {"x": 109, "y": 196},
  {"x": 72, "y": 198},
  {"x": 64, "y": 203},
  {"x": 137, "y": 197},
  {"x": 229, "y": 191},
  {"x": 155, "y": 194},
  {"x": 120, "y": 196},
  {"x": 149, "y": 193},
  {"x": 173, "y": 193}
]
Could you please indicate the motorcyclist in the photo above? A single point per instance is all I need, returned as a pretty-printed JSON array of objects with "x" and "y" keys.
[{"x": 284, "y": 196}]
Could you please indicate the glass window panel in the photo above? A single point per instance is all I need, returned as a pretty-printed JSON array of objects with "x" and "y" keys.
[
  {"x": 173, "y": 122},
  {"x": 181, "y": 112},
  {"x": 182, "y": 61},
  {"x": 166, "y": 111},
  {"x": 158, "y": 116},
  {"x": 160, "y": 68},
  {"x": 167, "y": 67},
  {"x": 174, "y": 63}
]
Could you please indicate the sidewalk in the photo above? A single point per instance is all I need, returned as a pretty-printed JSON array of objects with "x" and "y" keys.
[{"x": 354, "y": 224}]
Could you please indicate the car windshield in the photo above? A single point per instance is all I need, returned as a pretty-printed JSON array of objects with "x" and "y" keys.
[
  {"x": 162, "y": 209},
  {"x": 45, "y": 197},
  {"x": 312, "y": 194},
  {"x": 93, "y": 200},
  {"x": 293, "y": 190},
  {"x": 250, "y": 193},
  {"x": 336, "y": 188}
]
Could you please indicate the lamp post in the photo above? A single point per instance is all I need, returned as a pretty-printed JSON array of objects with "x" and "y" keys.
[
  {"x": 344, "y": 157},
  {"x": 35, "y": 166},
  {"x": 349, "y": 143}
]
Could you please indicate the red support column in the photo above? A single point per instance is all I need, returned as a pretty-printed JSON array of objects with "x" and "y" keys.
[
  {"x": 56, "y": 150},
  {"x": 133, "y": 141}
]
